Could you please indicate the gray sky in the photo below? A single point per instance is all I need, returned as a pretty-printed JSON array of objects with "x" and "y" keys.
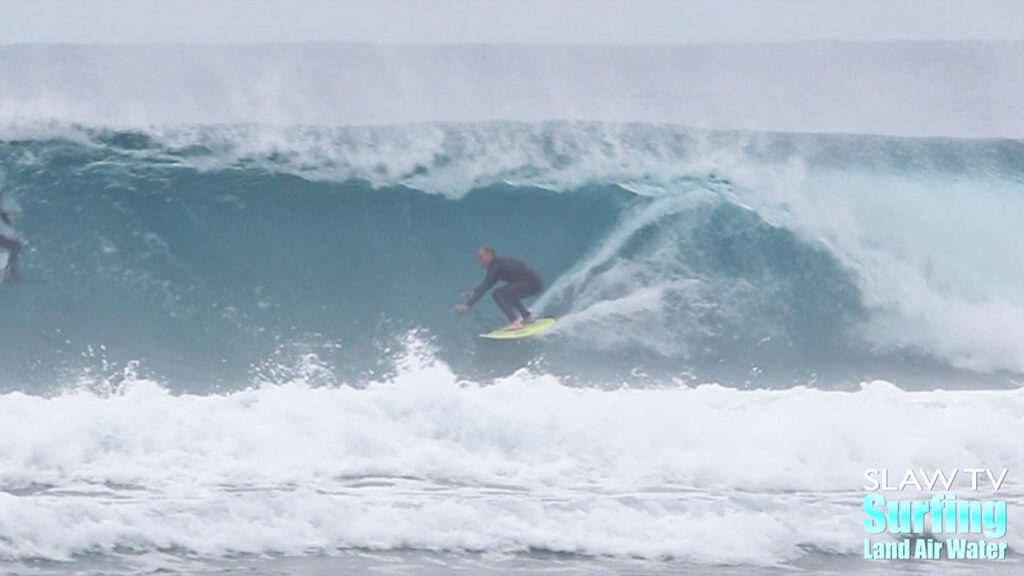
[{"x": 487, "y": 21}]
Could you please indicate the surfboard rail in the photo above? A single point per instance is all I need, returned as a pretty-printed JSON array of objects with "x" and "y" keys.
[{"x": 539, "y": 325}]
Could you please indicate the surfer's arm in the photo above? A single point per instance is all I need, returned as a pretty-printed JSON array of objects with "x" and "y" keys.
[{"x": 489, "y": 281}]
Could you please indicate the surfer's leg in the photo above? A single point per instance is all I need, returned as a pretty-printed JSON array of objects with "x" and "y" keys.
[
  {"x": 516, "y": 292},
  {"x": 522, "y": 309},
  {"x": 502, "y": 298}
]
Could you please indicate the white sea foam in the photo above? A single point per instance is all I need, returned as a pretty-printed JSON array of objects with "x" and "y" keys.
[
  {"x": 935, "y": 255},
  {"x": 427, "y": 461}
]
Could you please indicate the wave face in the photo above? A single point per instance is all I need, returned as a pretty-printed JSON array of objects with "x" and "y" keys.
[{"x": 215, "y": 254}]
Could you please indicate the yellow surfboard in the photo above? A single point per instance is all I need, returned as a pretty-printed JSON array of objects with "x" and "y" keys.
[{"x": 540, "y": 325}]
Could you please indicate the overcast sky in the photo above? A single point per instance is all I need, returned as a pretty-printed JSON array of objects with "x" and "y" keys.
[{"x": 491, "y": 21}]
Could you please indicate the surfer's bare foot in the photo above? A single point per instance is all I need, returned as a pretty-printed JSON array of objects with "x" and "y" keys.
[
  {"x": 514, "y": 326},
  {"x": 529, "y": 319}
]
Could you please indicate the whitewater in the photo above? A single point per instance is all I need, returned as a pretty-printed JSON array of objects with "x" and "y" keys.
[{"x": 233, "y": 348}]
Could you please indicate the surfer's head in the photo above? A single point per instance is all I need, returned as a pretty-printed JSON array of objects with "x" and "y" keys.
[{"x": 485, "y": 254}]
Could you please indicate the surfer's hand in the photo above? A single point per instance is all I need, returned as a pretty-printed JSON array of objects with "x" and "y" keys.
[{"x": 461, "y": 307}]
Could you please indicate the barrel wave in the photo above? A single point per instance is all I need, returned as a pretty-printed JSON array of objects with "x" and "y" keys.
[
  {"x": 233, "y": 342},
  {"x": 748, "y": 259}
]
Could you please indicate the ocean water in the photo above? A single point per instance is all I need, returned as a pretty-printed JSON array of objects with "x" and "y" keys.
[{"x": 233, "y": 348}]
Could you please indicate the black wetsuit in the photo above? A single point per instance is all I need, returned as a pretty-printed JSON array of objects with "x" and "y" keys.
[{"x": 521, "y": 282}]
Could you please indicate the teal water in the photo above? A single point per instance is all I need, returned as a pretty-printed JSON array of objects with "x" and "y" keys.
[{"x": 193, "y": 260}]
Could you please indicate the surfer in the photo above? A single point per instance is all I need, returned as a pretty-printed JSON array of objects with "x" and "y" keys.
[
  {"x": 9, "y": 242},
  {"x": 521, "y": 281}
]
